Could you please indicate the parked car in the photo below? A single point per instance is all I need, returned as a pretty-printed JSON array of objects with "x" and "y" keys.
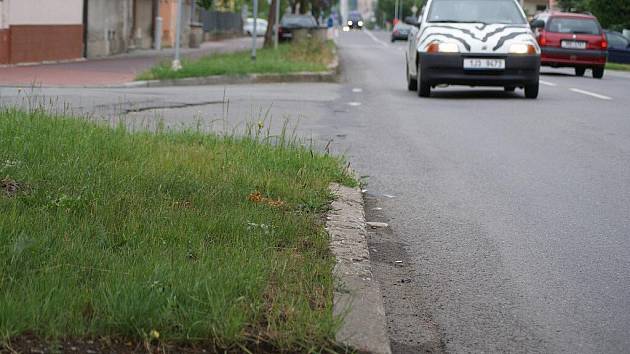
[
  {"x": 401, "y": 31},
  {"x": 473, "y": 43},
  {"x": 571, "y": 40},
  {"x": 618, "y": 47},
  {"x": 261, "y": 26},
  {"x": 289, "y": 23},
  {"x": 355, "y": 20}
]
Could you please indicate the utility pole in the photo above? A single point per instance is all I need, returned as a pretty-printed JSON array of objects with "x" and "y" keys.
[
  {"x": 400, "y": 12},
  {"x": 277, "y": 26},
  {"x": 177, "y": 64},
  {"x": 396, "y": 10},
  {"x": 254, "y": 32}
]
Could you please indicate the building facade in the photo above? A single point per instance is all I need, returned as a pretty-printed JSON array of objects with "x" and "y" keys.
[
  {"x": 33, "y": 31},
  {"x": 40, "y": 30},
  {"x": 533, "y": 7},
  {"x": 116, "y": 26},
  {"x": 168, "y": 11}
]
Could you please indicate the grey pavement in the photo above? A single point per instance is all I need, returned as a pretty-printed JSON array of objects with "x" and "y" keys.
[
  {"x": 109, "y": 71},
  {"x": 509, "y": 218}
]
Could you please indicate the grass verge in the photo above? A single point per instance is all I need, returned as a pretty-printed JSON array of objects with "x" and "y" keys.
[
  {"x": 615, "y": 66},
  {"x": 312, "y": 56},
  {"x": 162, "y": 238}
]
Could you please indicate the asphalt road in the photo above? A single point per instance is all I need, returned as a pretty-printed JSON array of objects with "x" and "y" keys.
[{"x": 511, "y": 216}]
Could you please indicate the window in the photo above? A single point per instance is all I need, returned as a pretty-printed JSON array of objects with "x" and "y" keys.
[
  {"x": 476, "y": 11},
  {"x": 574, "y": 25},
  {"x": 616, "y": 41}
]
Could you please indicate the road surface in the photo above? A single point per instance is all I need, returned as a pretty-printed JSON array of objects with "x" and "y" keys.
[{"x": 511, "y": 216}]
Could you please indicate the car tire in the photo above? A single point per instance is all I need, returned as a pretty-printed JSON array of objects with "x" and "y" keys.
[
  {"x": 598, "y": 72},
  {"x": 509, "y": 88},
  {"x": 580, "y": 71},
  {"x": 531, "y": 90},
  {"x": 412, "y": 83},
  {"x": 393, "y": 40},
  {"x": 424, "y": 89}
]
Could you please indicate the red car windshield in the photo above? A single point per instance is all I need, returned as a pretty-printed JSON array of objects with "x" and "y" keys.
[{"x": 574, "y": 26}]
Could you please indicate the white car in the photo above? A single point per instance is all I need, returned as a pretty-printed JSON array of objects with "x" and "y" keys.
[
  {"x": 261, "y": 27},
  {"x": 473, "y": 43}
]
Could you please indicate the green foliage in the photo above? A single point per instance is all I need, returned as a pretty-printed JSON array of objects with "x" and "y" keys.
[
  {"x": 288, "y": 58},
  {"x": 387, "y": 8},
  {"x": 615, "y": 66},
  {"x": 205, "y": 4},
  {"x": 611, "y": 12},
  {"x": 574, "y": 5},
  {"x": 104, "y": 232}
]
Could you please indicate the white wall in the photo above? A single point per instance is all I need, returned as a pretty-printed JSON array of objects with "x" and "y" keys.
[
  {"x": 3, "y": 15},
  {"x": 45, "y": 12}
]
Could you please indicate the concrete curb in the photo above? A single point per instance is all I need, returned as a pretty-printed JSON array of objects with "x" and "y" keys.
[{"x": 357, "y": 296}]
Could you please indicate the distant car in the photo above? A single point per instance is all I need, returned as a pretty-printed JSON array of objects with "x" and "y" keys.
[
  {"x": 355, "y": 21},
  {"x": 289, "y": 23},
  {"x": 401, "y": 31},
  {"x": 618, "y": 47},
  {"x": 571, "y": 40},
  {"x": 261, "y": 27}
]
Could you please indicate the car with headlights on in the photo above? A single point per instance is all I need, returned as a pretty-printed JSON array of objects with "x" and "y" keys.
[
  {"x": 355, "y": 20},
  {"x": 472, "y": 43}
]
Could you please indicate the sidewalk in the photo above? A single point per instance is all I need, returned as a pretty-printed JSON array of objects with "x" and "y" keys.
[{"x": 115, "y": 70}]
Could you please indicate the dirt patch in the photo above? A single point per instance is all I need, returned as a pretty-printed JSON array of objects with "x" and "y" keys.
[
  {"x": 9, "y": 187},
  {"x": 29, "y": 343}
]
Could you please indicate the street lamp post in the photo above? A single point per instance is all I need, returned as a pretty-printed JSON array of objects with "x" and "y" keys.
[
  {"x": 254, "y": 32},
  {"x": 177, "y": 64}
]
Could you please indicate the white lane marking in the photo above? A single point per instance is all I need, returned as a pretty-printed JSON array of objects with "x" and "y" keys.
[
  {"x": 547, "y": 83},
  {"x": 354, "y": 104},
  {"x": 357, "y": 90},
  {"x": 369, "y": 33},
  {"x": 588, "y": 93}
]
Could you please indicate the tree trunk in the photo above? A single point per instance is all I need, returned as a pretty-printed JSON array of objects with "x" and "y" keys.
[
  {"x": 303, "y": 7},
  {"x": 271, "y": 22}
]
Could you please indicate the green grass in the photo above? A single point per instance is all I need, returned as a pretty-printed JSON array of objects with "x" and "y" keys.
[
  {"x": 109, "y": 233},
  {"x": 310, "y": 56},
  {"x": 615, "y": 66}
]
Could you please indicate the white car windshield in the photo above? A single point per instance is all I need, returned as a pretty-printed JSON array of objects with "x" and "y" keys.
[{"x": 476, "y": 11}]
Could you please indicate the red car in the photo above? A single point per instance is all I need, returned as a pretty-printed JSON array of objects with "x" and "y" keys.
[{"x": 571, "y": 40}]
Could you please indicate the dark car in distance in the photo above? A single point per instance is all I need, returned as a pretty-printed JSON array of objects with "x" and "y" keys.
[
  {"x": 618, "y": 47},
  {"x": 355, "y": 20},
  {"x": 573, "y": 40},
  {"x": 401, "y": 32},
  {"x": 289, "y": 23}
]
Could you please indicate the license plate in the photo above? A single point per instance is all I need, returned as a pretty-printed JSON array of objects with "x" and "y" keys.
[
  {"x": 484, "y": 64},
  {"x": 573, "y": 44}
]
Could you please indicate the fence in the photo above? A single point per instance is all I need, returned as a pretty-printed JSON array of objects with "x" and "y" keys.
[{"x": 221, "y": 22}]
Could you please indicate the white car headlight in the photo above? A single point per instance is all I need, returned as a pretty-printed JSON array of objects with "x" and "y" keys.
[
  {"x": 349, "y": 23},
  {"x": 360, "y": 23},
  {"x": 522, "y": 48},
  {"x": 442, "y": 47}
]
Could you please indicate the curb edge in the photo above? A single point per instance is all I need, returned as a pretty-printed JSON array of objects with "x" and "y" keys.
[{"x": 357, "y": 295}]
